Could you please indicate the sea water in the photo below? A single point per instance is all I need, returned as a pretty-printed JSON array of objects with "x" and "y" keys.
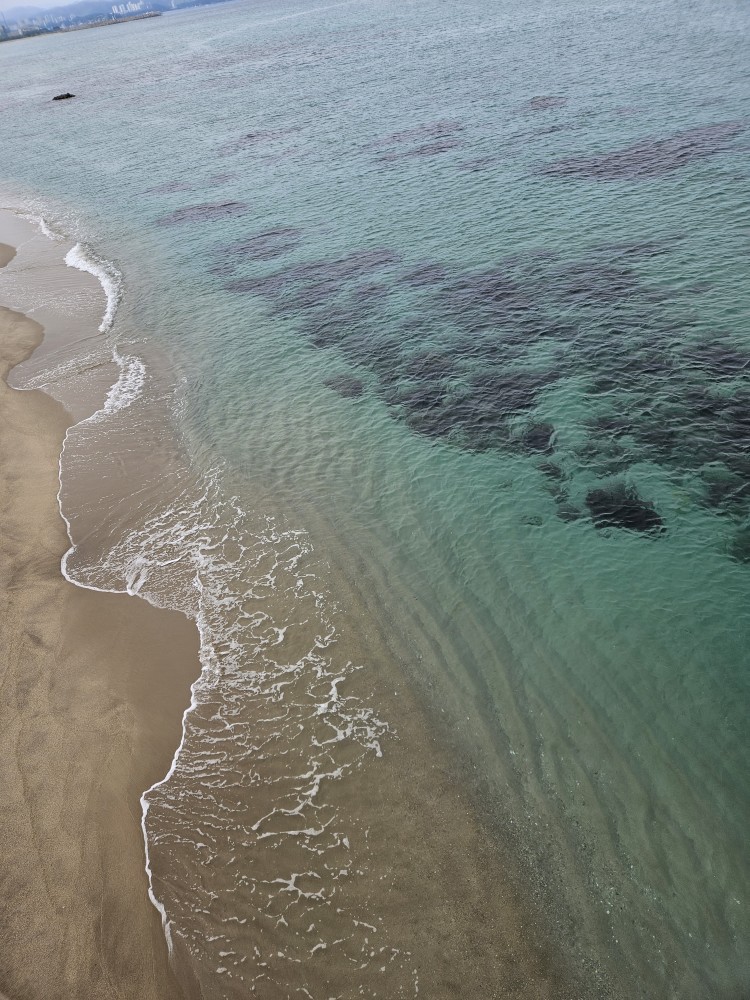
[{"x": 430, "y": 333}]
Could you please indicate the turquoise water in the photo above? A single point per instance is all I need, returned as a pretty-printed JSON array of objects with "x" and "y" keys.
[{"x": 451, "y": 304}]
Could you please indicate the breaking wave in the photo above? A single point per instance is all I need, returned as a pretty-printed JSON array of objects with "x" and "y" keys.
[{"x": 84, "y": 259}]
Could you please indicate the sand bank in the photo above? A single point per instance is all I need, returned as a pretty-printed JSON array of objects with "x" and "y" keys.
[{"x": 92, "y": 688}]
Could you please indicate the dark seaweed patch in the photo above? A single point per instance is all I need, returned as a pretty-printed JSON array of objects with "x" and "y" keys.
[
  {"x": 551, "y": 470},
  {"x": 203, "y": 213},
  {"x": 509, "y": 391},
  {"x": 620, "y": 506},
  {"x": 469, "y": 356},
  {"x": 536, "y": 438},
  {"x": 650, "y": 157},
  {"x": 718, "y": 358}
]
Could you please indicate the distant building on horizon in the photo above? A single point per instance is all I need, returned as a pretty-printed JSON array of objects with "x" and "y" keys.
[{"x": 128, "y": 8}]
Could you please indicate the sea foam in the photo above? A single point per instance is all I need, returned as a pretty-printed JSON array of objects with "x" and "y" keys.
[{"x": 84, "y": 259}]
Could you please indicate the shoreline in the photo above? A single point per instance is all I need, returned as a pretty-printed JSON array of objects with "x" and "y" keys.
[
  {"x": 493, "y": 940},
  {"x": 93, "y": 690}
]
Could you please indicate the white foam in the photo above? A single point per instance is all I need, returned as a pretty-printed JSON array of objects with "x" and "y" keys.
[
  {"x": 122, "y": 394},
  {"x": 106, "y": 274},
  {"x": 49, "y": 233},
  {"x": 128, "y": 386}
]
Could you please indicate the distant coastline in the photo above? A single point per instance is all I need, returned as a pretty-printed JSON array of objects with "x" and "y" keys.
[
  {"x": 77, "y": 16},
  {"x": 83, "y": 27}
]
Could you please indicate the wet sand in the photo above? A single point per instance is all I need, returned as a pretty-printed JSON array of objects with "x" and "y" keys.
[{"x": 92, "y": 690}]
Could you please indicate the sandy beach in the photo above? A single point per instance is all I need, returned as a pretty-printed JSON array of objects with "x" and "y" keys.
[{"x": 92, "y": 689}]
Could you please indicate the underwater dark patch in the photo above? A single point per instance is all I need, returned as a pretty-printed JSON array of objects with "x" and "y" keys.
[
  {"x": 536, "y": 438},
  {"x": 347, "y": 386},
  {"x": 328, "y": 276},
  {"x": 739, "y": 550},
  {"x": 650, "y": 157},
  {"x": 718, "y": 358},
  {"x": 203, "y": 213},
  {"x": 509, "y": 392},
  {"x": 551, "y": 470},
  {"x": 470, "y": 354},
  {"x": 425, "y": 275},
  {"x": 265, "y": 245},
  {"x": 545, "y": 103},
  {"x": 620, "y": 506}
]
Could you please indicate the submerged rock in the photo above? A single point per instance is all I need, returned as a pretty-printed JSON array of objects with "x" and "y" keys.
[{"x": 619, "y": 506}]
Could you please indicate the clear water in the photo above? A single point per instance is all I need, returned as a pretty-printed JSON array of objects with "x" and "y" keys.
[{"x": 450, "y": 303}]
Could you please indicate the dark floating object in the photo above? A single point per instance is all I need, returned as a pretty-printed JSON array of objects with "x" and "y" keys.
[
  {"x": 63, "y": 97},
  {"x": 619, "y": 506},
  {"x": 203, "y": 213},
  {"x": 650, "y": 157},
  {"x": 347, "y": 386}
]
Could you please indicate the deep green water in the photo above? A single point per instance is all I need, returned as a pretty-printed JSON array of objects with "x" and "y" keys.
[{"x": 457, "y": 296}]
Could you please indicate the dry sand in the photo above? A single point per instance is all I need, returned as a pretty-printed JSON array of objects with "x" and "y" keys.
[{"x": 92, "y": 688}]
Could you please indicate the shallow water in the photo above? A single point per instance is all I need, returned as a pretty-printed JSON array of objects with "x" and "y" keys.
[{"x": 448, "y": 309}]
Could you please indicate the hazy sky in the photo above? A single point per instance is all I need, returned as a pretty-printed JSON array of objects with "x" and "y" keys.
[
  {"x": 10, "y": 4},
  {"x": 41, "y": 4}
]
